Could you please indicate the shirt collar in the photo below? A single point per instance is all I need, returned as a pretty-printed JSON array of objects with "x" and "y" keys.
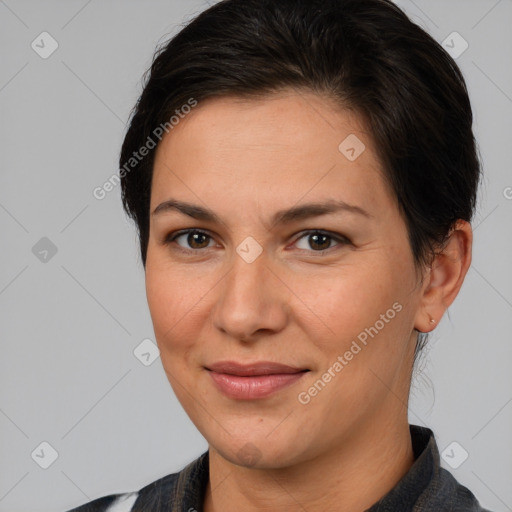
[{"x": 426, "y": 465}]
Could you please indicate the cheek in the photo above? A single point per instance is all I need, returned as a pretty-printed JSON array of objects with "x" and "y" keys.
[
  {"x": 345, "y": 300},
  {"x": 361, "y": 312},
  {"x": 175, "y": 299},
  {"x": 166, "y": 302}
]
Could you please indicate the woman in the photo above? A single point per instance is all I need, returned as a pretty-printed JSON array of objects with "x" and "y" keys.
[{"x": 302, "y": 174}]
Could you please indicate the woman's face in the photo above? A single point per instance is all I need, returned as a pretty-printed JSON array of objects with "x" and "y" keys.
[{"x": 250, "y": 284}]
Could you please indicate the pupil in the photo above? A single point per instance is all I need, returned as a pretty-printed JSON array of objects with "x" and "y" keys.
[
  {"x": 316, "y": 237},
  {"x": 193, "y": 239}
]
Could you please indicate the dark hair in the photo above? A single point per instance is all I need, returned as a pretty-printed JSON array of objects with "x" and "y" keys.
[{"x": 366, "y": 55}]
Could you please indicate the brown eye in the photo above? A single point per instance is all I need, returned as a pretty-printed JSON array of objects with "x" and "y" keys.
[
  {"x": 321, "y": 241},
  {"x": 197, "y": 240},
  {"x": 193, "y": 238}
]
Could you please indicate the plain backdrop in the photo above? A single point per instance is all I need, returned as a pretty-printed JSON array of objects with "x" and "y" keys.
[{"x": 72, "y": 298}]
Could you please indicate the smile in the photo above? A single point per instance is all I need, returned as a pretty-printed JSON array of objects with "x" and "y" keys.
[{"x": 251, "y": 382}]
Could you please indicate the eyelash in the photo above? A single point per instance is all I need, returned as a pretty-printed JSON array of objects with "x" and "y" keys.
[{"x": 171, "y": 237}]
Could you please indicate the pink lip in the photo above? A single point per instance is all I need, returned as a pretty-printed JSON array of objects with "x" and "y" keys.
[{"x": 257, "y": 380}]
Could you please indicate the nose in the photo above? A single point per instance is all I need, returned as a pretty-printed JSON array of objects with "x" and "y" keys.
[{"x": 251, "y": 301}]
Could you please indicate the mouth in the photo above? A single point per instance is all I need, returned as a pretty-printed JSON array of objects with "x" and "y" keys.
[{"x": 253, "y": 381}]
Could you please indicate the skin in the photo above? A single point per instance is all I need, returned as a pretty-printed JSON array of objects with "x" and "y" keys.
[{"x": 298, "y": 303}]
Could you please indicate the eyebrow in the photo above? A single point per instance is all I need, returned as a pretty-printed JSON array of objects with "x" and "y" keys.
[{"x": 281, "y": 217}]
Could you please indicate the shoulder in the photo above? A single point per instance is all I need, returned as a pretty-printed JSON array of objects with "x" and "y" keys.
[
  {"x": 427, "y": 486},
  {"x": 125, "y": 502},
  {"x": 186, "y": 485},
  {"x": 446, "y": 493}
]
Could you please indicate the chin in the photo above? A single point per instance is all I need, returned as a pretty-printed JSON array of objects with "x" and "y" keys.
[{"x": 258, "y": 451}]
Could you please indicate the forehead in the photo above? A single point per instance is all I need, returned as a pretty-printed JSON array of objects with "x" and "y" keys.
[{"x": 270, "y": 150}]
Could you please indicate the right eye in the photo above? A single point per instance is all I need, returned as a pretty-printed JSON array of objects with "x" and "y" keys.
[{"x": 194, "y": 238}]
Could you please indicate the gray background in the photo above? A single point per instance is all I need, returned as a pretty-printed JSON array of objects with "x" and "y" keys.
[{"x": 70, "y": 323}]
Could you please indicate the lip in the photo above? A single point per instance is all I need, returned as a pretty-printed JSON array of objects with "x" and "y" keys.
[{"x": 255, "y": 380}]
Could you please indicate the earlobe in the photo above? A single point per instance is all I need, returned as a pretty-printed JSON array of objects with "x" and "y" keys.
[{"x": 445, "y": 277}]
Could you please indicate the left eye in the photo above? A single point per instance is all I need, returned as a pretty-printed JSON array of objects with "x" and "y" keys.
[{"x": 319, "y": 240}]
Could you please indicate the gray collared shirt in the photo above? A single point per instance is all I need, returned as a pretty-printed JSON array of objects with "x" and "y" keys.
[{"x": 425, "y": 487}]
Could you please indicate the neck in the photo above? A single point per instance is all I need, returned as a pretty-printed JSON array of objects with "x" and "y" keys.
[{"x": 351, "y": 477}]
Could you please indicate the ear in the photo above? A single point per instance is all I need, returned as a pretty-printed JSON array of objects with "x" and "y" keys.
[{"x": 445, "y": 277}]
